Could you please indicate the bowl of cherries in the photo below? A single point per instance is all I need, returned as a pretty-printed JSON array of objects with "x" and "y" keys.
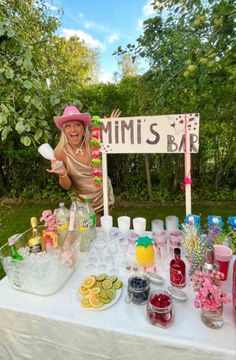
[{"x": 159, "y": 309}]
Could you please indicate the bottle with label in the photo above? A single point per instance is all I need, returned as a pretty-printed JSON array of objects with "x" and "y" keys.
[
  {"x": 92, "y": 217},
  {"x": 210, "y": 263},
  {"x": 62, "y": 218},
  {"x": 36, "y": 240},
  {"x": 177, "y": 270},
  {"x": 48, "y": 243},
  {"x": 12, "y": 244},
  {"x": 71, "y": 233},
  {"x": 83, "y": 225}
]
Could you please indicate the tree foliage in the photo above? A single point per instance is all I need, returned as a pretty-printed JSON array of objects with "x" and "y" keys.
[{"x": 190, "y": 47}]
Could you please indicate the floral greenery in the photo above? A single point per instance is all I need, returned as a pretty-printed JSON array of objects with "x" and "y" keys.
[{"x": 209, "y": 296}]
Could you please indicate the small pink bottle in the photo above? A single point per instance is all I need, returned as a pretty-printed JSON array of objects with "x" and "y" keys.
[{"x": 177, "y": 270}]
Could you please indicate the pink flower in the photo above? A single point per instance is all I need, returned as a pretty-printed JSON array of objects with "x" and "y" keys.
[
  {"x": 49, "y": 219},
  {"x": 209, "y": 296}
]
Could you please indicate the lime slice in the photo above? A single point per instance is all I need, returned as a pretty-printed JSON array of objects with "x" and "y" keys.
[
  {"x": 101, "y": 277},
  {"x": 98, "y": 284},
  {"x": 105, "y": 301},
  {"x": 113, "y": 278},
  {"x": 111, "y": 294},
  {"x": 103, "y": 294},
  {"x": 107, "y": 284},
  {"x": 117, "y": 284}
]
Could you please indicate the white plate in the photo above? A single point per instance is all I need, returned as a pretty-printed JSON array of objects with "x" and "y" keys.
[{"x": 105, "y": 306}]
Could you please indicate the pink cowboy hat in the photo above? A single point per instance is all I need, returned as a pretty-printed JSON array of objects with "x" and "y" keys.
[{"x": 72, "y": 113}]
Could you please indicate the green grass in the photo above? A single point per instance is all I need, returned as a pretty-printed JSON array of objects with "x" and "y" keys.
[{"x": 16, "y": 218}]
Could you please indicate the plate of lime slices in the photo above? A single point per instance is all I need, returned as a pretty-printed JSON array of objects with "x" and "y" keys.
[{"x": 99, "y": 292}]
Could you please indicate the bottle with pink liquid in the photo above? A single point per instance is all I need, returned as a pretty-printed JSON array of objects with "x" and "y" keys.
[{"x": 177, "y": 270}]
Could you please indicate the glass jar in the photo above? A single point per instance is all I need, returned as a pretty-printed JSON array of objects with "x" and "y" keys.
[
  {"x": 138, "y": 289},
  {"x": 213, "y": 319},
  {"x": 159, "y": 309}
]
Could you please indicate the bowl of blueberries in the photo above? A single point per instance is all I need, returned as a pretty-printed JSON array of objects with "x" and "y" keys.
[{"x": 138, "y": 289}]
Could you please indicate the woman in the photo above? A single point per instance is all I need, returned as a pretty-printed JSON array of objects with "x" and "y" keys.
[{"x": 74, "y": 150}]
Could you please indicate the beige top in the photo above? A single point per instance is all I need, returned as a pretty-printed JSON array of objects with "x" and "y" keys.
[{"x": 83, "y": 185}]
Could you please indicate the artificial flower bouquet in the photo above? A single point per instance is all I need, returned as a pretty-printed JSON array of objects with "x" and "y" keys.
[{"x": 207, "y": 286}]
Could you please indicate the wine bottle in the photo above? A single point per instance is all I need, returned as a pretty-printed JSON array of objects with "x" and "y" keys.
[
  {"x": 177, "y": 270},
  {"x": 35, "y": 242},
  {"x": 210, "y": 263},
  {"x": 12, "y": 244}
]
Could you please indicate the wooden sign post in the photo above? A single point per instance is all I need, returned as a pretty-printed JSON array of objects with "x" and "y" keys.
[{"x": 173, "y": 134}]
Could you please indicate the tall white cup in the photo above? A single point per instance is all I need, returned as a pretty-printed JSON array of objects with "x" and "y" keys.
[
  {"x": 139, "y": 225},
  {"x": 172, "y": 223}
]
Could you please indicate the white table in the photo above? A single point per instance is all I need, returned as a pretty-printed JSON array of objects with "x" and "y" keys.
[{"x": 56, "y": 327}]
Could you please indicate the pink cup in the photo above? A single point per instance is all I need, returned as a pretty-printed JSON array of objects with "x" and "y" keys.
[{"x": 223, "y": 255}]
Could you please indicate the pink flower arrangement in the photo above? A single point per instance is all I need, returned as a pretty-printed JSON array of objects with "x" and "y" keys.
[
  {"x": 209, "y": 296},
  {"x": 49, "y": 219}
]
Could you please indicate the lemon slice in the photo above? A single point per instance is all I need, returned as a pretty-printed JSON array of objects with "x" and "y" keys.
[
  {"x": 95, "y": 301},
  {"x": 94, "y": 291},
  {"x": 107, "y": 284},
  {"x": 85, "y": 302},
  {"x": 82, "y": 290},
  {"x": 89, "y": 282}
]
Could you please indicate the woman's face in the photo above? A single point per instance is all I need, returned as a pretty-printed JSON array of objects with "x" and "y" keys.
[{"x": 74, "y": 131}]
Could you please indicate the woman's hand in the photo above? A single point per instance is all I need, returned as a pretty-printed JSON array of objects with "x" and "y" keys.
[
  {"x": 59, "y": 170},
  {"x": 115, "y": 113}
]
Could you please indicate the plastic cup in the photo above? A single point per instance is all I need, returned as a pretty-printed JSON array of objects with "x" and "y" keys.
[
  {"x": 139, "y": 225},
  {"x": 124, "y": 224},
  {"x": 106, "y": 223},
  {"x": 172, "y": 223},
  {"x": 157, "y": 225},
  {"x": 223, "y": 255}
]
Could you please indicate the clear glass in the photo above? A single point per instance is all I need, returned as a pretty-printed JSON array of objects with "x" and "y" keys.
[
  {"x": 100, "y": 246},
  {"x": 112, "y": 248},
  {"x": 92, "y": 257},
  {"x": 213, "y": 319}
]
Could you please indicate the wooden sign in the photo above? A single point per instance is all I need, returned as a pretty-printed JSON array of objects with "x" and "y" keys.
[{"x": 150, "y": 134}]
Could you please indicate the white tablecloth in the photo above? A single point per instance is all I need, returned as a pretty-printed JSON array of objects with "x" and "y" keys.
[{"x": 57, "y": 327}]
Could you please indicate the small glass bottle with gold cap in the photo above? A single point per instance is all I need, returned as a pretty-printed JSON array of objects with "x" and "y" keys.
[{"x": 36, "y": 240}]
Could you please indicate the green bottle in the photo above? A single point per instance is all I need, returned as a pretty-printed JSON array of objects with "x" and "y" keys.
[{"x": 12, "y": 244}]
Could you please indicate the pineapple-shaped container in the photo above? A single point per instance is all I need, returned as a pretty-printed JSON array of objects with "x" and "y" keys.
[{"x": 144, "y": 252}]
